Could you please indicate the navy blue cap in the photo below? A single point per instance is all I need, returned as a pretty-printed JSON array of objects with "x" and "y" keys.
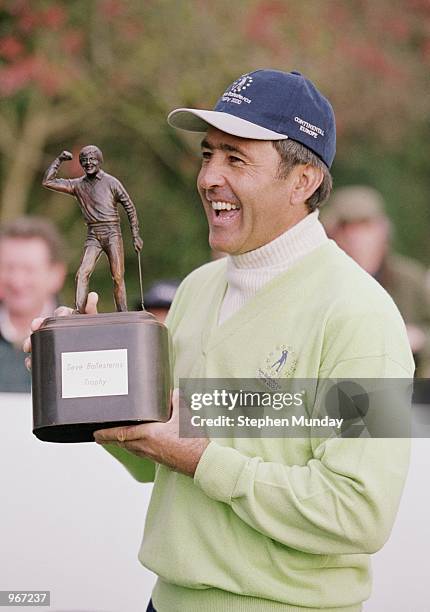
[{"x": 269, "y": 105}]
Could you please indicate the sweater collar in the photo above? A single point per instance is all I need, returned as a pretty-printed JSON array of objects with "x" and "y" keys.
[
  {"x": 286, "y": 249},
  {"x": 100, "y": 174}
]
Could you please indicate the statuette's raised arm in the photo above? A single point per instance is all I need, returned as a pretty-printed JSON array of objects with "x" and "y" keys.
[
  {"x": 50, "y": 180},
  {"x": 65, "y": 156}
]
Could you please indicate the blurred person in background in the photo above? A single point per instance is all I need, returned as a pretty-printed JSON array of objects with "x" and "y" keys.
[
  {"x": 356, "y": 219},
  {"x": 159, "y": 298},
  {"x": 32, "y": 272}
]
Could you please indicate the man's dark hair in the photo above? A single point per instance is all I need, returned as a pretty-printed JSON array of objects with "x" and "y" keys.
[
  {"x": 293, "y": 153},
  {"x": 35, "y": 227}
]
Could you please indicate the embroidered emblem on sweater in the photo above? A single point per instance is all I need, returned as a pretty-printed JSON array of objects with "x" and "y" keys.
[{"x": 279, "y": 363}]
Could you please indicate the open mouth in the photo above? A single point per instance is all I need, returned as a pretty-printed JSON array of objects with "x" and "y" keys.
[{"x": 225, "y": 210}]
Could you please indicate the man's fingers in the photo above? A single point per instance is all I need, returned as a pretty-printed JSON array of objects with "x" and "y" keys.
[
  {"x": 36, "y": 323},
  {"x": 119, "y": 434},
  {"x": 91, "y": 306},
  {"x": 104, "y": 436},
  {"x": 63, "y": 311}
]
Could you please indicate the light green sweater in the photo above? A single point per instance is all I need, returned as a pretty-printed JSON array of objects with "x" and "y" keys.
[{"x": 278, "y": 524}]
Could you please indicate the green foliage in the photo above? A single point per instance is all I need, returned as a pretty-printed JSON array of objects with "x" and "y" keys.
[{"x": 108, "y": 72}]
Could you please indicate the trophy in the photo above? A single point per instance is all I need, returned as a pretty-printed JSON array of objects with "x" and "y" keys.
[{"x": 97, "y": 371}]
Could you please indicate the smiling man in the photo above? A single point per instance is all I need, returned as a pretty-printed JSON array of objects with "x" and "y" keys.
[{"x": 269, "y": 524}]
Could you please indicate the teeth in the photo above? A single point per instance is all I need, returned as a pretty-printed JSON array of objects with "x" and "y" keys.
[{"x": 224, "y": 206}]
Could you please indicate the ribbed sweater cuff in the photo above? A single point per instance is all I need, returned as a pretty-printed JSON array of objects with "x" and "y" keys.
[
  {"x": 218, "y": 471},
  {"x": 172, "y": 598}
]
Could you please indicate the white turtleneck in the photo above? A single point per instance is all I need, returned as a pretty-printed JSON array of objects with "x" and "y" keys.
[{"x": 248, "y": 272}]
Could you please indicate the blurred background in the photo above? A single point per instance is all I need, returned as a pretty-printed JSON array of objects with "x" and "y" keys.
[{"x": 107, "y": 72}]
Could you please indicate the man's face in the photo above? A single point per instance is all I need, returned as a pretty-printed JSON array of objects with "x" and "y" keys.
[
  {"x": 89, "y": 162},
  {"x": 28, "y": 279},
  {"x": 240, "y": 176},
  {"x": 365, "y": 241}
]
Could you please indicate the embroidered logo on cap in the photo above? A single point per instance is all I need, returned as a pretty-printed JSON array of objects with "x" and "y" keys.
[
  {"x": 232, "y": 94},
  {"x": 241, "y": 83},
  {"x": 309, "y": 128}
]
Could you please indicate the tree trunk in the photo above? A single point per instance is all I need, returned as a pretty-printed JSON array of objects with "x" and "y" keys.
[{"x": 24, "y": 162}]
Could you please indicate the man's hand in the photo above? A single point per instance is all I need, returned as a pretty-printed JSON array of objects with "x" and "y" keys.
[
  {"x": 137, "y": 243},
  {"x": 62, "y": 311},
  {"x": 159, "y": 442},
  {"x": 65, "y": 156}
]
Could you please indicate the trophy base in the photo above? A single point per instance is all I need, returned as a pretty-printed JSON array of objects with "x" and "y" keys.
[
  {"x": 77, "y": 432},
  {"x": 93, "y": 372}
]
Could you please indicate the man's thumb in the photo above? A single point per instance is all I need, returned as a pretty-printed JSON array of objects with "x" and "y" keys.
[{"x": 91, "y": 306}]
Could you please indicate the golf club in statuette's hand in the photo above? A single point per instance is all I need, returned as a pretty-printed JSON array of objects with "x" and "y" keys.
[{"x": 93, "y": 371}]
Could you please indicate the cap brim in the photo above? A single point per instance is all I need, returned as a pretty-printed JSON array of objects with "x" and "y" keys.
[{"x": 194, "y": 120}]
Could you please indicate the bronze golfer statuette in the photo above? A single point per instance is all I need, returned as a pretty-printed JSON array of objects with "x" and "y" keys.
[
  {"x": 96, "y": 371},
  {"x": 98, "y": 195}
]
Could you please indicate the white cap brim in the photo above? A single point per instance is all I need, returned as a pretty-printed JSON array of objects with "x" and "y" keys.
[{"x": 194, "y": 120}]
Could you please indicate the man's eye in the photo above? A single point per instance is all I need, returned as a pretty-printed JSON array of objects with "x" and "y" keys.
[
  {"x": 234, "y": 160},
  {"x": 206, "y": 155}
]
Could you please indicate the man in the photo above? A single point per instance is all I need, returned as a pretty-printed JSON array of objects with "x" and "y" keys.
[
  {"x": 356, "y": 219},
  {"x": 98, "y": 195},
  {"x": 32, "y": 272},
  {"x": 270, "y": 524}
]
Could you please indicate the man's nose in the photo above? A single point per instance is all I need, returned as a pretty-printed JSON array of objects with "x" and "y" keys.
[{"x": 211, "y": 175}]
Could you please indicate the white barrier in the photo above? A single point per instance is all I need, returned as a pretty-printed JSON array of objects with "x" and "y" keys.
[{"x": 71, "y": 522}]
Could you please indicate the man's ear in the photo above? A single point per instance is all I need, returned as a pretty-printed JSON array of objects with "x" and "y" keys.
[{"x": 308, "y": 179}]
